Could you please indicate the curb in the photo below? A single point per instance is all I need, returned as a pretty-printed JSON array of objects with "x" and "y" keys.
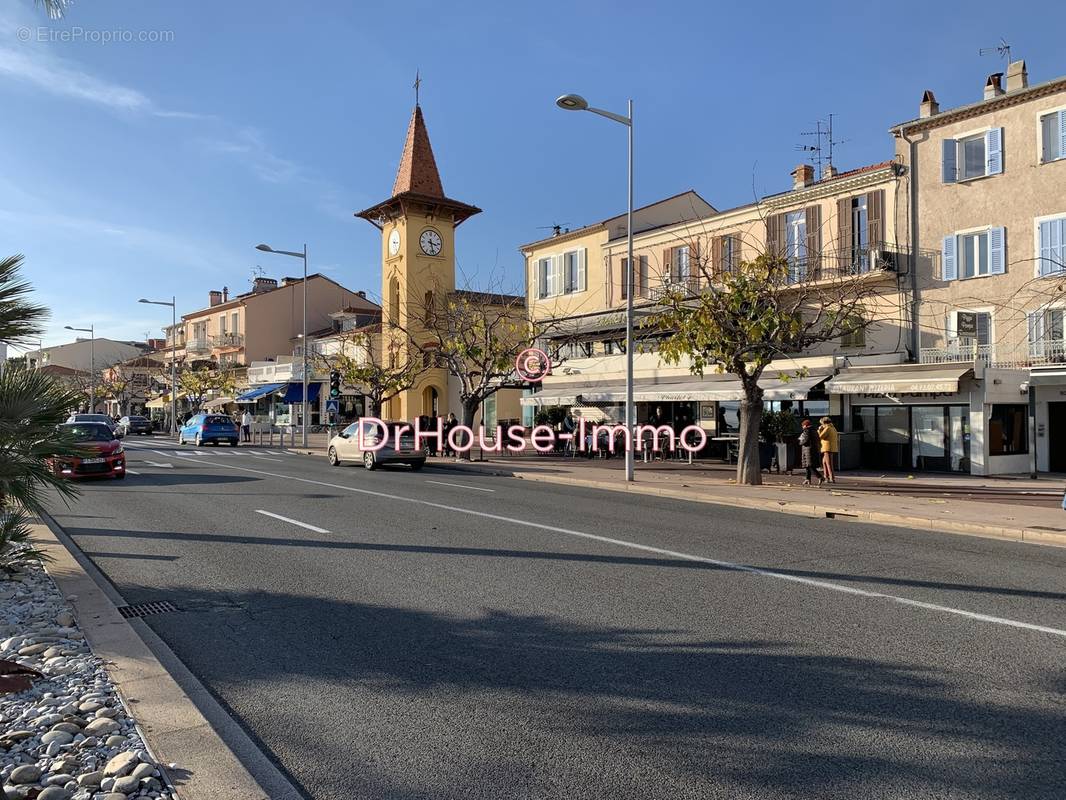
[
  {"x": 804, "y": 509},
  {"x": 178, "y": 718}
]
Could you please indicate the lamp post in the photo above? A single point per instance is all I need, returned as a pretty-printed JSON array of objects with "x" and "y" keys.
[
  {"x": 575, "y": 102},
  {"x": 92, "y": 364},
  {"x": 173, "y": 358},
  {"x": 303, "y": 349}
]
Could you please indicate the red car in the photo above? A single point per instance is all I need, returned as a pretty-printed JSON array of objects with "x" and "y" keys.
[{"x": 107, "y": 461}]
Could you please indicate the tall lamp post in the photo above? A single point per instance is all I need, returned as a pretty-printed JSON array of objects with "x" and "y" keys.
[
  {"x": 303, "y": 349},
  {"x": 173, "y": 358},
  {"x": 92, "y": 364},
  {"x": 575, "y": 102}
]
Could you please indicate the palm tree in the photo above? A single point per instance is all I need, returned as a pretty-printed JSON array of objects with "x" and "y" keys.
[
  {"x": 32, "y": 405},
  {"x": 54, "y": 8}
]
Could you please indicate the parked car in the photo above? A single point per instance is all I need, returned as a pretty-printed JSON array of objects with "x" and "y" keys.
[
  {"x": 101, "y": 418},
  {"x": 142, "y": 426},
  {"x": 107, "y": 460},
  {"x": 203, "y": 428},
  {"x": 346, "y": 446}
]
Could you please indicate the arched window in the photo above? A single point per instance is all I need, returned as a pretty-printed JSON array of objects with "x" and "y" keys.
[
  {"x": 431, "y": 401},
  {"x": 394, "y": 300}
]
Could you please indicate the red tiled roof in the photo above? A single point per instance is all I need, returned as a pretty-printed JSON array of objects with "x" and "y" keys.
[
  {"x": 859, "y": 170},
  {"x": 418, "y": 169}
]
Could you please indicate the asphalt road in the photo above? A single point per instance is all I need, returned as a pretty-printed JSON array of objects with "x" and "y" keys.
[{"x": 393, "y": 634}]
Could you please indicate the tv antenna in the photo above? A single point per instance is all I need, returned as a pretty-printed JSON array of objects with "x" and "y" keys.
[
  {"x": 1002, "y": 49},
  {"x": 556, "y": 228},
  {"x": 822, "y": 149},
  {"x": 257, "y": 272}
]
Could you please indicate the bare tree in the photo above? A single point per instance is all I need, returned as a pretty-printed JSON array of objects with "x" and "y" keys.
[{"x": 381, "y": 365}]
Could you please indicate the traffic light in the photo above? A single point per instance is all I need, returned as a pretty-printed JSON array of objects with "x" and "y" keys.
[{"x": 334, "y": 384}]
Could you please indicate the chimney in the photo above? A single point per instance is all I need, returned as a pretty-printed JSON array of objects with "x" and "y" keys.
[
  {"x": 264, "y": 284},
  {"x": 994, "y": 85},
  {"x": 214, "y": 297},
  {"x": 1017, "y": 76},
  {"x": 829, "y": 172},
  {"x": 929, "y": 105},
  {"x": 225, "y": 294},
  {"x": 802, "y": 176}
]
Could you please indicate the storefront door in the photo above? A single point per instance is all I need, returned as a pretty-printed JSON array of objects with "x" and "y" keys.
[
  {"x": 1056, "y": 431},
  {"x": 933, "y": 438}
]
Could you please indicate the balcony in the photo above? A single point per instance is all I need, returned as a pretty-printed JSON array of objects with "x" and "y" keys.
[
  {"x": 198, "y": 347},
  {"x": 227, "y": 340},
  {"x": 1020, "y": 356}
]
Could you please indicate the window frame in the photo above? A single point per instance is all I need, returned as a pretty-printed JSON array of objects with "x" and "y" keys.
[
  {"x": 1036, "y": 245},
  {"x": 1046, "y": 112},
  {"x": 1024, "y": 417},
  {"x": 960, "y": 156}
]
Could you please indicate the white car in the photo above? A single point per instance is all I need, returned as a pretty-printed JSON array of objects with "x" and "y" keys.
[{"x": 348, "y": 445}]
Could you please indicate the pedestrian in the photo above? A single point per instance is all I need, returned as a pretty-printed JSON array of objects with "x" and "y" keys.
[
  {"x": 810, "y": 447},
  {"x": 246, "y": 426},
  {"x": 447, "y": 428},
  {"x": 830, "y": 442}
]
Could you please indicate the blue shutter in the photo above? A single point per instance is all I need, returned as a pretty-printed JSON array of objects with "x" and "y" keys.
[
  {"x": 994, "y": 151},
  {"x": 949, "y": 270},
  {"x": 1048, "y": 230},
  {"x": 1062, "y": 133},
  {"x": 997, "y": 242},
  {"x": 950, "y": 172}
]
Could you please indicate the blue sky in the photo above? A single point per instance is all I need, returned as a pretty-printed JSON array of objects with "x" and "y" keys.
[{"x": 153, "y": 168}]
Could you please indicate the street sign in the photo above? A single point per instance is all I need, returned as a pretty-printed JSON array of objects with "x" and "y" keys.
[{"x": 333, "y": 406}]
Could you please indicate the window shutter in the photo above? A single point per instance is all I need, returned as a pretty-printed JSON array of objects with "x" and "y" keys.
[
  {"x": 642, "y": 264},
  {"x": 1048, "y": 229},
  {"x": 997, "y": 242},
  {"x": 844, "y": 225},
  {"x": 582, "y": 275},
  {"x": 948, "y": 266},
  {"x": 994, "y": 151},
  {"x": 1036, "y": 334},
  {"x": 949, "y": 172},
  {"x": 814, "y": 237},
  {"x": 695, "y": 262},
  {"x": 718, "y": 255},
  {"x": 557, "y": 277},
  {"x": 775, "y": 235},
  {"x": 984, "y": 326},
  {"x": 534, "y": 268},
  {"x": 669, "y": 268},
  {"x": 1062, "y": 133},
  {"x": 875, "y": 218},
  {"x": 949, "y": 326}
]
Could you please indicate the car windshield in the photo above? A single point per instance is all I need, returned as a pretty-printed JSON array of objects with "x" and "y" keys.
[
  {"x": 217, "y": 420},
  {"x": 88, "y": 432},
  {"x": 138, "y": 419}
]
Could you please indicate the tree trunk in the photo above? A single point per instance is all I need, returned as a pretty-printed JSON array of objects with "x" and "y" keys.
[
  {"x": 375, "y": 407},
  {"x": 748, "y": 469},
  {"x": 469, "y": 412}
]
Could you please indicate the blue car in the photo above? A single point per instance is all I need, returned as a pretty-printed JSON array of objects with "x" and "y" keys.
[{"x": 204, "y": 428}]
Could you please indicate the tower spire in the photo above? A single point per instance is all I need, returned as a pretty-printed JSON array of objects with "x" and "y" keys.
[
  {"x": 418, "y": 83},
  {"x": 418, "y": 169}
]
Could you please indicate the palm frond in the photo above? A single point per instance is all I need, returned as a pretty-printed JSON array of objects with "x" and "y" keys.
[
  {"x": 15, "y": 546},
  {"x": 55, "y": 9},
  {"x": 19, "y": 319}
]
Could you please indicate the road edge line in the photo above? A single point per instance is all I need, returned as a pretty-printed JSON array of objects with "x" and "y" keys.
[{"x": 217, "y": 759}]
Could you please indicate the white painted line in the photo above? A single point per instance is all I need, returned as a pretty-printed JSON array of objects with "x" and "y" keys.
[
  {"x": 157, "y": 464},
  {"x": 161, "y": 453},
  {"x": 131, "y": 472},
  {"x": 264, "y": 458},
  {"x": 461, "y": 486},
  {"x": 764, "y": 573},
  {"x": 274, "y": 452},
  {"x": 292, "y": 521}
]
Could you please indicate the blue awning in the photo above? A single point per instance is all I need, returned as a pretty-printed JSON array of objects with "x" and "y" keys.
[
  {"x": 295, "y": 393},
  {"x": 259, "y": 391}
]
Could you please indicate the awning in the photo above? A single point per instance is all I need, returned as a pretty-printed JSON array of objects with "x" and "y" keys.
[
  {"x": 295, "y": 392},
  {"x": 256, "y": 392},
  {"x": 218, "y": 402},
  {"x": 1049, "y": 378},
  {"x": 944, "y": 380},
  {"x": 719, "y": 387}
]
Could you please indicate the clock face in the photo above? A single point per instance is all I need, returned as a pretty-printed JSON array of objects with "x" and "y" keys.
[
  {"x": 430, "y": 242},
  {"x": 394, "y": 242}
]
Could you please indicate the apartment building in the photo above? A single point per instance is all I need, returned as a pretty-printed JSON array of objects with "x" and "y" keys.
[
  {"x": 987, "y": 215},
  {"x": 836, "y": 225},
  {"x": 82, "y": 355},
  {"x": 128, "y": 384}
]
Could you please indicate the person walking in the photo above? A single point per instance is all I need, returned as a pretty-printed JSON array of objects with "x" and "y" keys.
[
  {"x": 830, "y": 441},
  {"x": 246, "y": 426},
  {"x": 810, "y": 448},
  {"x": 449, "y": 425}
]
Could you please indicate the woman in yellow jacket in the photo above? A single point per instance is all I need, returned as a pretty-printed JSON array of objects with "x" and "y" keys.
[{"x": 830, "y": 439}]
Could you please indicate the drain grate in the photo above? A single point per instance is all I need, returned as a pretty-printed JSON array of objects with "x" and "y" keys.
[{"x": 147, "y": 609}]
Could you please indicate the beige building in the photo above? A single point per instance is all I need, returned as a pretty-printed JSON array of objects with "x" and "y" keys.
[{"x": 986, "y": 211}]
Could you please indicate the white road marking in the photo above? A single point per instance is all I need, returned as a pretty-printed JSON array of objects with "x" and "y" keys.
[
  {"x": 461, "y": 486},
  {"x": 157, "y": 464},
  {"x": 161, "y": 453},
  {"x": 292, "y": 521},
  {"x": 274, "y": 452},
  {"x": 265, "y": 458},
  {"x": 131, "y": 472},
  {"x": 255, "y": 452},
  {"x": 729, "y": 565}
]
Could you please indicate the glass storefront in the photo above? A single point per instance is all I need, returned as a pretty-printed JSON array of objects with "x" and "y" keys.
[{"x": 933, "y": 438}]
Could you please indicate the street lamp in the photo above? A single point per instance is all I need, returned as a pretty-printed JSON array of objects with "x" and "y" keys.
[
  {"x": 575, "y": 102},
  {"x": 173, "y": 358},
  {"x": 306, "y": 406},
  {"x": 92, "y": 364}
]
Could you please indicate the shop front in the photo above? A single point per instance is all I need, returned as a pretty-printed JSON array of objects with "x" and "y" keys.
[{"x": 911, "y": 418}]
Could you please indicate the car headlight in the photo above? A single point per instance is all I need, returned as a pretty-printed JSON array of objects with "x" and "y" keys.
[{"x": 118, "y": 452}]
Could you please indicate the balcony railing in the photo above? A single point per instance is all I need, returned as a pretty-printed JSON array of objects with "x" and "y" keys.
[
  {"x": 228, "y": 340},
  {"x": 1021, "y": 356},
  {"x": 956, "y": 353},
  {"x": 199, "y": 345}
]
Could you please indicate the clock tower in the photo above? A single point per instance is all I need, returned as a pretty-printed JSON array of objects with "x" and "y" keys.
[{"x": 417, "y": 225}]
